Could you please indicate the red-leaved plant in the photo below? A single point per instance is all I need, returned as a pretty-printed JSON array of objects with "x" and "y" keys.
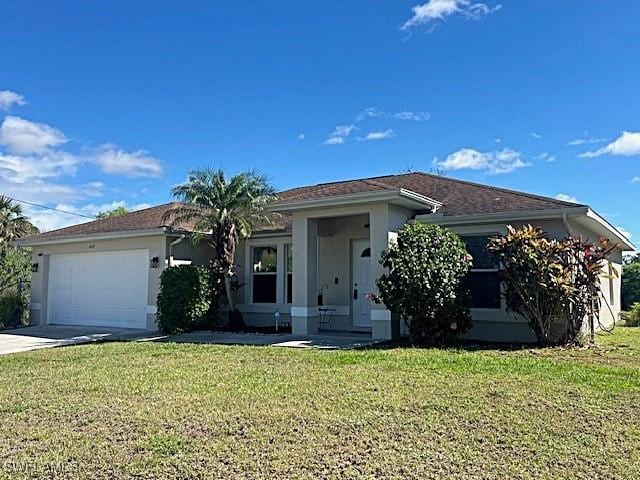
[{"x": 551, "y": 282}]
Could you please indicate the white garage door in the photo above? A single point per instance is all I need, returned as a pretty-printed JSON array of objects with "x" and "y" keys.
[{"x": 107, "y": 289}]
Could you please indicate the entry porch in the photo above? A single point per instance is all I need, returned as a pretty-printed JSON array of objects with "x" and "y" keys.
[{"x": 320, "y": 275}]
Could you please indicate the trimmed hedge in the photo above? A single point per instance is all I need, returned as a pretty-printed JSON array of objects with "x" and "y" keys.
[
  {"x": 13, "y": 310},
  {"x": 184, "y": 301}
]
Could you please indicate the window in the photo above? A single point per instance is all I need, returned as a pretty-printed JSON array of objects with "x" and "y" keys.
[
  {"x": 482, "y": 280},
  {"x": 265, "y": 274},
  {"x": 289, "y": 277}
]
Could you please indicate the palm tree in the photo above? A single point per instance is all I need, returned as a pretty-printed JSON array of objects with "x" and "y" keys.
[
  {"x": 13, "y": 224},
  {"x": 221, "y": 211}
]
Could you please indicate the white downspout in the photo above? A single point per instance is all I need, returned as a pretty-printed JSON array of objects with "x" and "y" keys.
[
  {"x": 172, "y": 244},
  {"x": 565, "y": 220}
]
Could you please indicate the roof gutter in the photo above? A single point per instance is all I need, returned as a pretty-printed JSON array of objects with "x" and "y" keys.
[
  {"x": 605, "y": 225},
  {"x": 595, "y": 222},
  {"x": 90, "y": 238},
  {"x": 552, "y": 213},
  {"x": 179, "y": 240}
]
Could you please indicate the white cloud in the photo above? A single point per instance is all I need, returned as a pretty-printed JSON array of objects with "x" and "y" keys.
[
  {"x": 300, "y": 136},
  {"x": 441, "y": 9},
  {"x": 586, "y": 140},
  {"x": 566, "y": 198},
  {"x": 334, "y": 141},
  {"x": 635, "y": 180},
  {"x": 503, "y": 161},
  {"x": 380, "y": 135},
  {"x": 627, "y": 144},
  {"x": 40, "y": 191},
  {"x": 535, "y": 135},
  {"x": 547, "y": 157},
  {"x": 22, "y": 169},
  {"x": 374, "y": 112},
  {"x": 339, "y": 135},
  {"x": 47, "y": 220},
  {"x": 139, "y": 163},
  {"x": 624, "y": 232},
  {"x": 32, "y": 161},
  {"x": 9, "y": 98},
  {"x": 413, "y": 116},
  {"x": 371, "y": 112},
  {"x": 343, "y": 130},
  {"x": 25, "y": 137}
]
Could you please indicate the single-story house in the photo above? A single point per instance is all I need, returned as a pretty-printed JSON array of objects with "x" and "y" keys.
[{"x": 317, "y": 268}]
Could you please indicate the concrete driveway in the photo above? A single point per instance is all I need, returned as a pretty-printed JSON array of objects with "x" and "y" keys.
[{"x": 49, "y": 336}]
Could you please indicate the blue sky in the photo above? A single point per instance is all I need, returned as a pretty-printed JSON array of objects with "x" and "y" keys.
[{"x": 109, "y": 102}]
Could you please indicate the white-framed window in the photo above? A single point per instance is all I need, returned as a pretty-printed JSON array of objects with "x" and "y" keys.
[
  {"x": 264, "y": 285},
  {"x": 482, "y": 281}
]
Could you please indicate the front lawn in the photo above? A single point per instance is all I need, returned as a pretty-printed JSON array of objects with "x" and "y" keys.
[{"x": 153, "y": 410}]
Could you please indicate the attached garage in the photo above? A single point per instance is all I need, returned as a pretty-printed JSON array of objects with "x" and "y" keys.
[
  {"x": 106, "y": 273},
  {"x": 107, "y": 289}
]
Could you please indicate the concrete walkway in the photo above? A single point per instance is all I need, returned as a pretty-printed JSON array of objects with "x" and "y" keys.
[
  {"x": 327, "y": 341},
  {"x": 49, "y": 336}
]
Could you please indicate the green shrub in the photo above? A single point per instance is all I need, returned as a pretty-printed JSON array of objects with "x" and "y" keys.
[
  {"x": 14, "y": 310},
  {"x": 550, "y": 282},
  {"x": 631, "y": 282},
  {"x": 631, "y": 317},
  {"x": 423, "y": 283},
  {"x": 184, "y": 301}
]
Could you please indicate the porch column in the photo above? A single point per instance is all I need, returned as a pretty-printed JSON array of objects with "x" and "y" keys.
[
  {"x": 304, "y": 311},
  {"x": 384, "y": 222}
]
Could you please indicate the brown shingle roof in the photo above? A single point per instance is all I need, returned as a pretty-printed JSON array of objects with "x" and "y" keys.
[
  {"x": 457, "y": 196},
  {"x": 146, "y": 219}
]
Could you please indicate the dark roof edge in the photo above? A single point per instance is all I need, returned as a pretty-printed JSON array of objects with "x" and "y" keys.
[{"x": 97, "y": 221}]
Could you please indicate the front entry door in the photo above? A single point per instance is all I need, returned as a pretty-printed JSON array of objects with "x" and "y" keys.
[{"x": 362, "y": 283}]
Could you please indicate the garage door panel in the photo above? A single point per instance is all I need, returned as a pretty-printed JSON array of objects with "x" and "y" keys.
[{"x": 99, "y": 288}]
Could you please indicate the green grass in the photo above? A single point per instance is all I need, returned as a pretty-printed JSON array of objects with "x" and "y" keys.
[{"x": 153, "y": 410}]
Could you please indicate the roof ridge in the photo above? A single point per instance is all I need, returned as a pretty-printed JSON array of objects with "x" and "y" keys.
[
  {"x": 371, "y": 181},
  {"x": 327, "y": 186},
  {"x": 356, "y": 180}
]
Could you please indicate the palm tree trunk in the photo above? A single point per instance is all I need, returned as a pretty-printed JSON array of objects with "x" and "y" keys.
[{"x": 229, "y": 291}]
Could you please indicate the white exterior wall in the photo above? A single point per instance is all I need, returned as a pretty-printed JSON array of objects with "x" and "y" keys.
[
  {"x": 155, "y": 244},
  {"x": 323, "y": 249},
  {"x": 325, "y": 254},
  {"x": 187, "y": 252},
  {"x": 503, "y": 326},
  {"x": 611, "y": 301}
]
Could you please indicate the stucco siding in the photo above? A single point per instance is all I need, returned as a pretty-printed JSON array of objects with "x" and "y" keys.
[
  {"x": 335, "y": 234},
  {"x": 187, "y": 251},
  {"x": 334, "y": 257},
  {"x": 155, "y": 244},
  {"x": 501, "y": 325},
  {"x": 611, "y": 288}
]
